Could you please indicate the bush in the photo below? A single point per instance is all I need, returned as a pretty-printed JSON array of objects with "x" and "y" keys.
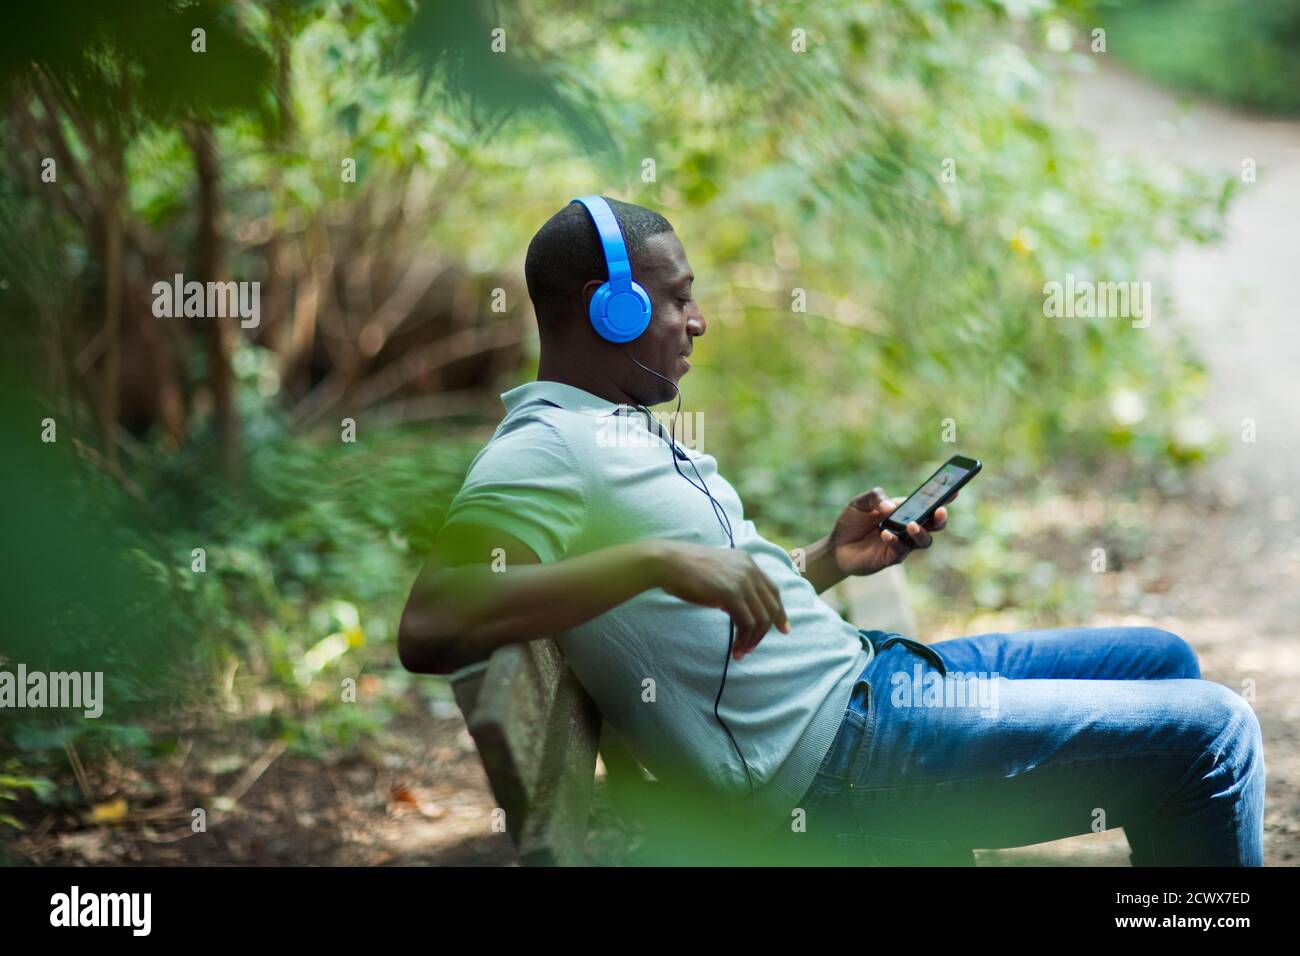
[{"x": 1243, "y": 53}]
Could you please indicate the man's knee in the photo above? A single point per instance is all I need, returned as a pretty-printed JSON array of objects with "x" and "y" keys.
[
  {"x": 1235, "y": 727},
  {"x": 1243, "y": 725},
  {"x": 1176, "y": 656}
]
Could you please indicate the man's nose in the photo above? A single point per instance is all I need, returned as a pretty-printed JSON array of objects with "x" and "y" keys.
[{"x": 696, "y": 324}]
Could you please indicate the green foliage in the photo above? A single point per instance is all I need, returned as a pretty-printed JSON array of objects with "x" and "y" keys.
[
  {"x": 1246, "y": 53},
  {"x": 81, "y": 588},
  {"x": 307, "y": 565},
  {"x": 11, "y": 785},
  {"x": 134, "y": 59},
  {"x": 924, "y": 297},
  {"x": 816, "y": 175}
]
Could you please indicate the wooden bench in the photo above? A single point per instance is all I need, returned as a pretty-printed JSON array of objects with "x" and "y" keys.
[{"x": 538, "y": 733}]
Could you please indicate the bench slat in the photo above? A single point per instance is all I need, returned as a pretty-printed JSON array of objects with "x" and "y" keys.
[
  {"x": 537, "y": 733},
  {"x": 555, "y": 831}
]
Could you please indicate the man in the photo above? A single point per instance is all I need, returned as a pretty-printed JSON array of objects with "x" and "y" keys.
[{"x": 636, "y": 556}]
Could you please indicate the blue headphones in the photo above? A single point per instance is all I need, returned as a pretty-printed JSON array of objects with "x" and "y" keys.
[{"x": 620, "y": 309}]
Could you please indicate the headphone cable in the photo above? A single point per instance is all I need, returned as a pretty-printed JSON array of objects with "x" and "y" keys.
[{"x": 725, "y": 522}]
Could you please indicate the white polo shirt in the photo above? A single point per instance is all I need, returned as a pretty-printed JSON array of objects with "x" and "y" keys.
[{"x": 566, "y": 477}]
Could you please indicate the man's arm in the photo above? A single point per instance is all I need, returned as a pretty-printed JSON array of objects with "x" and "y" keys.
[
  {"x": 460, "y": 609},
  {"x": 820, "y": 567}
]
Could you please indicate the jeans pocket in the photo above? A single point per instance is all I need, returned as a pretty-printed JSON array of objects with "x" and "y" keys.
[
  {"x": 924, "y": 650},
  {"x": 860, "y": 751},
  {"x": 833, "y": 772}
]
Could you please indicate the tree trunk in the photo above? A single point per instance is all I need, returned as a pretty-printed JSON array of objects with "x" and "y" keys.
[
  {"x": 110, "y": 380},
  {"x": 219, "y": 332}
]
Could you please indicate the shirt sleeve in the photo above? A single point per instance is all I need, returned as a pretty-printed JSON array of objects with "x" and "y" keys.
[{"x": 527, "y": 483}]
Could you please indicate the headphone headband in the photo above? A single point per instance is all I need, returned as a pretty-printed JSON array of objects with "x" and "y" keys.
[
  {"x": 620, "y": 309},
  {"x": 611, "y": 240}
]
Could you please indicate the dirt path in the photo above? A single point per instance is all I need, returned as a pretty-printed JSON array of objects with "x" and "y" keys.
[{"x": 1238, "y": 297}]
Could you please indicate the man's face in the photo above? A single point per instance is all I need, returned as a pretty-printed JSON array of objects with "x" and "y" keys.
[{"x": 675, "y": 321}]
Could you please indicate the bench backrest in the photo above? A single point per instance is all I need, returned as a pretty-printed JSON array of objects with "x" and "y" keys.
[{"x": 537, "y": 732}]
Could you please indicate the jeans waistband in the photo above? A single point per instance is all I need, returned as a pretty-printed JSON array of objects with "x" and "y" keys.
[{"x": 877, "y": 641}]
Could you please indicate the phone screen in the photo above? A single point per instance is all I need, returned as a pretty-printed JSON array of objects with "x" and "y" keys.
[{"x": 936, "y": 489}]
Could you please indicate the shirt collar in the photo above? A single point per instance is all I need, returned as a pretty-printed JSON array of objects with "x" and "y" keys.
[
  {"x": 566, "y": 396},
  {"x": 576, "y": 400}
]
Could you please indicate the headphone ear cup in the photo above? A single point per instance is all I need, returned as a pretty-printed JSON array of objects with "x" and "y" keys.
[
  {"x": 596, "y": 308},
  {"x": 621, "y": 316},
  {"x": 646, "y": 305}
]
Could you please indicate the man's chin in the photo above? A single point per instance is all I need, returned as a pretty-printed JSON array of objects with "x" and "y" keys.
[
  {"x": 657, "y": 390},
  {"x": 665, "y": 393}
]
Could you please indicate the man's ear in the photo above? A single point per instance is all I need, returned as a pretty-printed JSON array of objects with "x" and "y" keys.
[{"x": 588, "y": 293}]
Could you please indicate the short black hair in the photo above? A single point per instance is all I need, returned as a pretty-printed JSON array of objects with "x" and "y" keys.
[{"x": 565, "y": 255}]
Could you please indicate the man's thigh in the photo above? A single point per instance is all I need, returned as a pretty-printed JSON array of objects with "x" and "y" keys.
[
  {"x": 1078, "y": 653},
  {"x": 1037, "y": 761}
]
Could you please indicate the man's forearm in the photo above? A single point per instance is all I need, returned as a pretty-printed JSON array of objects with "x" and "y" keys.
[
  {"x": 819, "y": 565},
  {"x": 458, "y": 615}
]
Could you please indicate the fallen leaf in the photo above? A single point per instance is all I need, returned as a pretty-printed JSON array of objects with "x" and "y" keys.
[{"x": 110, "y": 811}]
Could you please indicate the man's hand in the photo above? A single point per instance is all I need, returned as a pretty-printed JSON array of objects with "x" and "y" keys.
[
  {"x": 725, "y": 579},
  {"x": 860, "y": 546}
]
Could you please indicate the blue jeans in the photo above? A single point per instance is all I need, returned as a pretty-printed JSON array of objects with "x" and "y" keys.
[{"x": 1006, "y": 740}]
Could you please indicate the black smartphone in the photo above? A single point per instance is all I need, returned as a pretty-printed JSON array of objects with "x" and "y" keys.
[{"x": 936, "y": 491}]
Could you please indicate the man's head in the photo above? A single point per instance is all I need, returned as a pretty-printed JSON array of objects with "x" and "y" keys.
[{"x": 564, "y": 267}]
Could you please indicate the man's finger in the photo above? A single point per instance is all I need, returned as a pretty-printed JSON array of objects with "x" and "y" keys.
[
  {"x": 761, "y": 622},
  {"x": 764, "y": 614},
  {"x": 775, "y": 606},
  {"x": 870, "y": 500},
  {"x": 899, "y": 545},
  {"x": 744, "y": 621},
  {"x": 920, "y": 537},
  {"x": 779, "y": 618}
]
